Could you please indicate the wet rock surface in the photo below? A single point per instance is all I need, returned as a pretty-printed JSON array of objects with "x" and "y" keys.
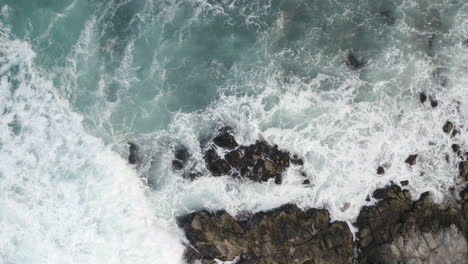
[
  {"x": 400, "y": 230},
  {"x": 133, "y": 157},
  {"x": 411, "y": 160},
  {"x": 283, "y": 235},
  {"x": 181, "y": 156},
  {"x": 259, "y": 162},
  {"x": 397, "y": 229}
]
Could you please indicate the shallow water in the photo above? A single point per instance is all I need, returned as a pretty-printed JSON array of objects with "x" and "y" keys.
[{"x": 78, "y": 79}]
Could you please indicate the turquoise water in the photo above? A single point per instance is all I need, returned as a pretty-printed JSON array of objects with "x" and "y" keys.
[{"x": 79, "y": 79}]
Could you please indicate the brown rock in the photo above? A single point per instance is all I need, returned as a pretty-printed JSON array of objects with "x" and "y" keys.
[
  {"x": 411, "y": 160},
  {"x": 309, "y": 237},
  {"x": 397, "y": 218}
]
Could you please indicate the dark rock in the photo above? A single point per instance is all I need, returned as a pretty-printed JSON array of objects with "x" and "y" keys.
[
  {"x": 211, "y": 156},
  {"x": 465, "y": 42},
  {"x": 283, "y": 235},
  {"x": 434, "y": 102},
  {"x": 411, "y": 160},
  {"x": 297, "y": 161},
  {"x": 278, "y": 179},
  {"x": 234, "y": 158},
  {"x": 219, "y": 167},
  {"x": 463, "y": 167},
  {"x": 133, "y": 157},
  {"x": 368, "y": 198},
  {"x": 397, "y": 229},
  {"x": 404, "y": 183},
  {"x": 177, "y": 164},
  {"x": 181, "y": 156},
  {"x": 258, "y": 162},
  {"x": 224, "y": 139},
  {"x": 422, "y": 97},
  {"x": 456, "y": 148},
  {"x": 192, "y": 175},
  {"x": 389, "y": 18},
  {"x": 306, "y": 182},
  {"x": 353, "y": 62},
  {"x": 450, "y": 128},
  {"x": 380, "y": 170}
]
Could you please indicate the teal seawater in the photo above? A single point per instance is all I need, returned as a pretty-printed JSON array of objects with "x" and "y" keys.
[{"x": 81, "y": 78}]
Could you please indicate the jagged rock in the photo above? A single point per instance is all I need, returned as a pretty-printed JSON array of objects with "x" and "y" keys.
[
  {"x": 404, "y": 183},
  {"x": 450, "y": 128},
  {"x": 181, "y": 156},
  {"x": 353, "y": 62},
  {"x": 133, "y": 153},
  {"x": 422, "y": 97},
  {"x": 398, "y": 230},
  {"x": 411, "y": 160},
  {"x": 224, "y": 139},
  {"x": 283, "y": 235},
  {"x": 259, "y": 162},
  {"x": 380, "y": 170}
]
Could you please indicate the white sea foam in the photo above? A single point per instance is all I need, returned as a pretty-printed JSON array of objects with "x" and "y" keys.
[{"x": 66, "y": 198}]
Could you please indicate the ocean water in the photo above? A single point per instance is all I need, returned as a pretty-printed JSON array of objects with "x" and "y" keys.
[{"x": 81, "y": 78}]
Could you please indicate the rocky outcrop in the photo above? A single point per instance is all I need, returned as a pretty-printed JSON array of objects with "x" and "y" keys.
[
  {"x": 259, "y": 162},
  {"x": 400, "y": 230},
  {"x": 395, "y": 230},
  {"x": 283, "y": 235}
]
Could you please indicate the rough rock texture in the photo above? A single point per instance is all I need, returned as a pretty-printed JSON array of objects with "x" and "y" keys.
[
  {"x": 258, "y": 162},
  {"x": 283, "y": 235},
  {"x": 399, "y": 230}
]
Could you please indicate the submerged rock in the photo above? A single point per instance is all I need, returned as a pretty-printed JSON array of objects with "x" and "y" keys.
[
  {"x": 259, "y": 162},
  {"x": 353, "y": 62},
  {"x": 399, "y": 230},
  {"x": 283, "y": 235},
  {"x": 422, "y": 97},
  {"x": 181, "y": 156},
  {"x": 133, "y": 153}
]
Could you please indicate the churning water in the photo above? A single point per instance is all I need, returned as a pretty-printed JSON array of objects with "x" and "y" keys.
[{"x": 80, "y": 78}]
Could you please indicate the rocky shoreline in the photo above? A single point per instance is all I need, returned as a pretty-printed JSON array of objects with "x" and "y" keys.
[{"x": 397, "y": 229}]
